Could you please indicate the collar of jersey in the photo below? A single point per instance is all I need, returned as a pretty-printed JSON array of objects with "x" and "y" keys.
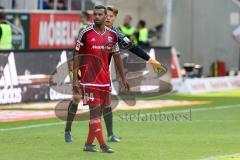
[{"x": 98, "y": 32}]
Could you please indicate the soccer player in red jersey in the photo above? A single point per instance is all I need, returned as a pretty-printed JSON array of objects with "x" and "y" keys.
[
  {"x": 124, "y": 42},
  {"x": 95, "y": 46}
]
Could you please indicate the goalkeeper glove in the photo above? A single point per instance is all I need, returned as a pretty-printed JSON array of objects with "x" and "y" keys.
[
  {"x": 157, "y": 66},
  {"x": 71, "y": 74}
]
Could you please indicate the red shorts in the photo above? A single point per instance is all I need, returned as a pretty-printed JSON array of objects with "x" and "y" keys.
[{"x": 95, "y": 95}]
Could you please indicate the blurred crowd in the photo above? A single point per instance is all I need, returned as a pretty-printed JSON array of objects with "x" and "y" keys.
[
  {"x": 49, "y": 4},
  {"x": 138, "y": 35}
]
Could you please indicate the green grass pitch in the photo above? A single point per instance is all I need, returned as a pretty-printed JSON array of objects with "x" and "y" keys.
[{"x": 212, "y": 131}]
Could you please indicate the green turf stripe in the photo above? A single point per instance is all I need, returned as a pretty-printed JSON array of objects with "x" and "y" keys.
[{"x": 225, "y": 157}]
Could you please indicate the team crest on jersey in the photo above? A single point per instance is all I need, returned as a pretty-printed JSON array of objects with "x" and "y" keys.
[
  {"x": 110, "y": 39},
  {"x": 93, "y": 40}
]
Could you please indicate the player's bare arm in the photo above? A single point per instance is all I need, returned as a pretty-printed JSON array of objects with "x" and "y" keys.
[
  {"x": 76, "y": 66},
  {"x": 75, "y": 72},
  {"x": 120, "y": 68}
]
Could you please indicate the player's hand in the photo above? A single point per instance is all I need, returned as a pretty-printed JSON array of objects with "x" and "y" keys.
[
  {"x": 79, "y": 73},
  {"x": 157, "y": 66},
  {"x": 75, "y": 88},
  {"x": 71, "y": 74},
  {"x": 75, "y": 84},
  {"x": 126, "y": 84}
]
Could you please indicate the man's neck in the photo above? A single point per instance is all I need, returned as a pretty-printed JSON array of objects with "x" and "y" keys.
[
  {"x": 110, "y": 27},
  {"x": 99, "y": 28}
]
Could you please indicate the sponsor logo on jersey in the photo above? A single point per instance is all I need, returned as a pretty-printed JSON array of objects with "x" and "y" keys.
[
  {"x": 97, "y": 47},
  {"x": 107, "y": 47}
]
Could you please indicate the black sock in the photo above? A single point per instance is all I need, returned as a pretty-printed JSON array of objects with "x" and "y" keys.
[
  {"x": 107, "y": 115},
  {"x": 72, "y": 110}
]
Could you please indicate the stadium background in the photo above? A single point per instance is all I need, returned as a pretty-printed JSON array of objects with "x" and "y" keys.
[{"x": 193, "y": 38}]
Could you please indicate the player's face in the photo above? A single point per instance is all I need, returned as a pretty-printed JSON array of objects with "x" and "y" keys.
[
  {"x": 110, "y": 18},
  {"x": 99, "y": 16},
  {"x": 84, "y": 18}
]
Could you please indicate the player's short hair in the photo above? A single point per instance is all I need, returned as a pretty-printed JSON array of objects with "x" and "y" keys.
[
  {"x": 113, "y": 9},
  {"x": 85, "y": 14},
  {"x": 101, "y": 7}
]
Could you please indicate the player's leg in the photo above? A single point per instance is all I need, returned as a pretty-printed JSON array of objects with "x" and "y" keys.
[
  {"x": 72, "y": 110},
  {"x": 108, "y": 118},
  {"x": 95, "y": 124},
  {"x": 108, "y": 115},
  {"x": 95, "y": 131},
  {"x": 95, "y": 128}
]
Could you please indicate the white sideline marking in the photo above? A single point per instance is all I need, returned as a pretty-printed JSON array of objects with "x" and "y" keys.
[
  {"x": 179, "y": 111},
  {"x": 32, "y": 126},
  {"x": 216, "y": 108},
  {"x": 203, "y": 109},
  {"x": 237, "y": 155}
]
